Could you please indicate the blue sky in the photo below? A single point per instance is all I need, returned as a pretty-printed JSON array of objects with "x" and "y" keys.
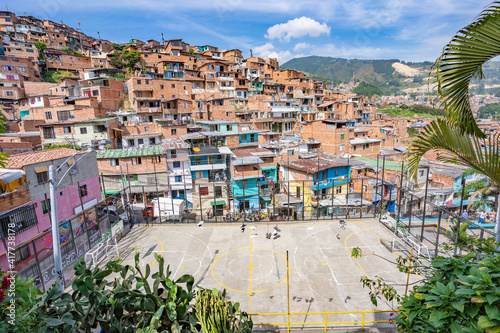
[{"x": 410, "y": 30}]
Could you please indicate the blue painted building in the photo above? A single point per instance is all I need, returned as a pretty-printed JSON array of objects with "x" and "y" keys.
[{"x": 254, "y": 175}]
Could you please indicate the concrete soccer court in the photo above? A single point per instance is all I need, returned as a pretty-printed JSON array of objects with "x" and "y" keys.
[{"x": 253, "y": 270}]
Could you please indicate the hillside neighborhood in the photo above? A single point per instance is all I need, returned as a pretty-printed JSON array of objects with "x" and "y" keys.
[{"x": 166, "y": 131}]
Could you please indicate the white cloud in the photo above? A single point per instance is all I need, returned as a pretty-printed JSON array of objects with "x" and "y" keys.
[
  {"x": 296, "y": 28},
  {"x": 267, "y": 51},
  {"x": 301, "y": 46}
]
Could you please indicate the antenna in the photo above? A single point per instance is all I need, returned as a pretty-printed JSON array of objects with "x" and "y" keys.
[
  {"x": 162, "y": 39},
  {"x": 251, "y": 53},
  {"x": 6, "y": 7},
  {"x": 98, "y": 34}
]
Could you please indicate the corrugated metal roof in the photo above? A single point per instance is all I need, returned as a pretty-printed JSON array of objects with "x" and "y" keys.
[
  {"x": 373, "y": 163},
  {"x": 11, "y": 175},
  {"x": 132, "y": 152},
  {"x": 247, "y": 161}
]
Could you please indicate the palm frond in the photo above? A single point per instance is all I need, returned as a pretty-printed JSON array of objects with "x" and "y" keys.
[
  {"x": 456, "y": 146},
  {"x": 461, "y": 61}
]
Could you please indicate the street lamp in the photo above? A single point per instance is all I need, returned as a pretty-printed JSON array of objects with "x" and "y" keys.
[{"x": 56, "y": 245}]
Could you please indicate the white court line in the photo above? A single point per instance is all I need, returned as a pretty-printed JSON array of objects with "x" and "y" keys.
[
  {"x": 326, "y": 261},
  {"x": 175, "y": 274}
]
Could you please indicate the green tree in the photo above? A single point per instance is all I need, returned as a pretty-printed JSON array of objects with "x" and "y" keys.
[
  {"x": 491, "y": 110},
  {"x": 131, "y": 58},
  {"x": 191, "y": 51},
  {"x": 67, "y": 50},
  {"x": 458, "y": 137},
  {"x": 40, "y": 46},
  {"x": 367, "y": 89},
  {"x": 115, "y": 46},
  {"x": 3, "y": 156}
]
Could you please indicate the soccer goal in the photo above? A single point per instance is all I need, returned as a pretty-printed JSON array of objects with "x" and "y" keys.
[{"x": 106, "y": 246}]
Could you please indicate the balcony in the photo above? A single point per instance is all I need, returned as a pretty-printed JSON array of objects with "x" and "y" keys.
[
  {"x": 217, "y": 164},
  {"x": 226, "y": 87},
  {"x": 148, "y": 110}
]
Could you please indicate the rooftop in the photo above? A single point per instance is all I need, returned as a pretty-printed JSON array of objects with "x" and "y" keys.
[
  {"x": 19, "y": 160},
  {"x": 131, "y": 152},
  {"x": 311, "y": 165}
]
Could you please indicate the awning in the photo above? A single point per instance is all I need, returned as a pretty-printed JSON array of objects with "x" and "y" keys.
[
  {"x": 217, "y": 203},
  {"x": 111, "y": 192},
  {"x": 41, "y": 169}
]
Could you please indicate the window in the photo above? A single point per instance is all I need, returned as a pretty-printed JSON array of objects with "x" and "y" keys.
[
  {"x": 22, "y": 253},
  {"x": 162, "y": 87},
  {"x": 336, "y": 173},
  {"x": 42, "y": 176},
  {"x": 140, "y": 141},
  {"x": 63, "y": 115},
  {"x": 177, "y": 164},
  {"x": 156, "y": 159},
  {"x": 136, "y": 160},
  {"x": 114, "y": 162},
  {"x": 173, "y": 153},
  {"x": 138, "y": 81},
  {"x": 342, "y": 136},
  {"x": 146, "y": 81},
  {"x": 83, "y": 191},
  {"x": 99, "y": 128},
  {"x": 83, "y": 130},
  {"x": 173, "y": 131},
  {"x": 146, "y": 129},
  {"x": 131, "y": 142},
  {"x": 421, "y": 173},
  {"x": 229, "y": 113},
  {"x": 365, "y": 188},
  {"x": 291, "y": 152},
  {"x": 95, "y": 92},
  {"x": 172, "y": 85},
  {"x": 152, "y": 141},
  {"x": 48, "y": 115},
  {"x": 218, "y": 191},
  {"x": 45, "y": 206},
  {"x": 48, "y": 133},
  {"x": 178, "y": 179},
  {"x": 9, "y": 93},
  {"x": 203, "y": 190},
  {"x": 67, "y": 129},
  {"x": 229, "y": 127},
  {"x": 21, "y": 68},
  {"x": 342, "y": 147},
  {"x": 338, "y": 189}
]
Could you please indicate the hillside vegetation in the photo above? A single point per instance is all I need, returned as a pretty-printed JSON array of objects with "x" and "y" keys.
[
  {"x": 414, "y": 110},
  {"x": 392, "y": 76}
]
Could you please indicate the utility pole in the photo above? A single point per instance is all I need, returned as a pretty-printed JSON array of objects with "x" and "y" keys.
[{"x": 56, "y": 245}]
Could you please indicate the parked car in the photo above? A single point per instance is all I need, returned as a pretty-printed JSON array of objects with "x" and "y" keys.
[{"x": 115, "y": 214}]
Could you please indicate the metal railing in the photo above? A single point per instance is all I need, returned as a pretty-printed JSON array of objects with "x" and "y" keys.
[{"x": 326, "y": 324}]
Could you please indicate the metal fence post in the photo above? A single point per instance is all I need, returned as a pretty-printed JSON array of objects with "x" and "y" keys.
[{"x": 437, "y": 233}]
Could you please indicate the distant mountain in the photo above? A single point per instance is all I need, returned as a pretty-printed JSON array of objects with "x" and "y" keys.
[{"x": 391, "y": 75}]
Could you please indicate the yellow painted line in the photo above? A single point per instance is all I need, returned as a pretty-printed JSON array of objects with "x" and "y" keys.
[
  {"x": 181, "y": 267},
  {"x": 161, "y": 251},
  {"x": 345, "y": 244},
  {"x": 250, "y": 286},
  {"x": 243, "y": 291}
]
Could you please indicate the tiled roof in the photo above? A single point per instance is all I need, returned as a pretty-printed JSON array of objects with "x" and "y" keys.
[
  {"x": 131, "y": 152},
  {"x": 20, "y": 160}
]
